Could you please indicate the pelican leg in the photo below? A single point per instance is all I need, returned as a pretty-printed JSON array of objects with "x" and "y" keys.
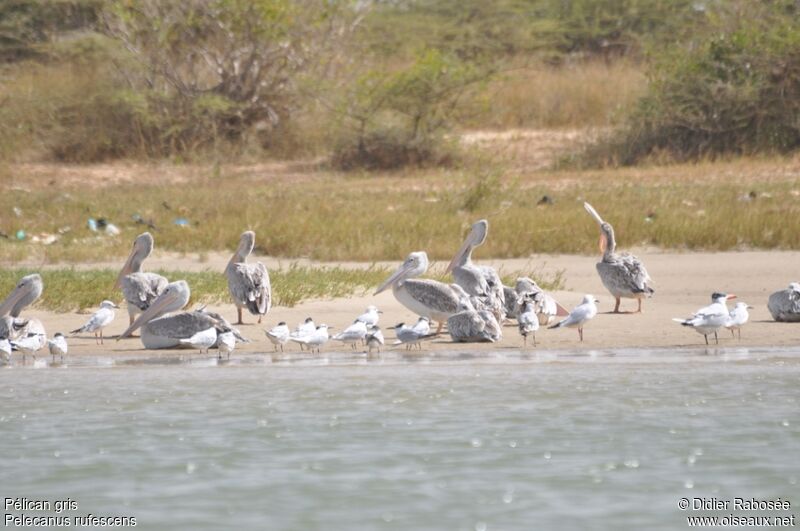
[
  {"x": 259, "y": 318},
  {"x": 616, "y": 306},
  {"x": 733, "y": 334},
  {"x": 239, "y": 314},
  {"x": 130, "y": 319},
  {"x": 639, "y": 309},
  {"x": 281, "y": 347},
  {"x": 706, "y": 336},
  {"x": 716, "y": 338}
]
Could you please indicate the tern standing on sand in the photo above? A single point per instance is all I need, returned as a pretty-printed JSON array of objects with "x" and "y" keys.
[
  {"x": 202, "y": 340},
  {"x": 278, "y": 335},
  {"x": 99, "y": 320},
  {"x": 738, "y": 317},
  {"x": 314, "y": 340},
  {"x": 430, "y": 298},
  {"x": 58, "y": 346},
  {"x": 710, "y": 319},
  {"x": 248, "y": 283},
  {"x": 623, "y": 275},
  {"x": 580, "y": 315},
  {"x": 139, "y": 288}
]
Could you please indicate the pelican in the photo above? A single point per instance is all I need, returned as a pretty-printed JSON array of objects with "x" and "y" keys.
[
  {"x": 711, "y": 318},
  {"x": 370, "y": 317},
  {"x": 99, "y": 320},
  {"x": 202, "y": 340},
  {"x": 226, "y": 343},
  {"x": 784, "y": 305},
  {"x": 139, "y": 288},
  {"x": 248, "y": 283},
  {"x": 375, "y": 339},
  {"x": 527, "y": 320},
  {"x": 430, "y": 298},
  {"x": 478, "y": 281},
  {"x": 27, "y": 291},
  {"x": 278, "y": 335},
  {"x": 547, "y": 308},
  {"x": 58, "y": 346},
  {"x": 353, "y": 334},
  {"x": 315, "y": 340},
  {"x": 468, "y": 325},
  {"x": 738, "y": 317},
  {"x": 623, "y": 274},
  {"x": 510, "y": 297},
  {"x": 162, "y": 327},
  {"x": 580, "y": 315},
  {"x": 408, "y": 336}
]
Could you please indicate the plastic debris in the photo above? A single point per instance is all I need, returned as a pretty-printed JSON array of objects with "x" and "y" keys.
[
  {"x": 92, "y": 224},
  {"x": 181, "y": 222},
  {"x": 44, "y": 238},
  {"x": 112, "y": 230},
  {"x": 20, "y": 235}
]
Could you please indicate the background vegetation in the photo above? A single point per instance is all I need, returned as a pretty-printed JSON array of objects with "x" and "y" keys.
[{"x": 386, "y": 84}]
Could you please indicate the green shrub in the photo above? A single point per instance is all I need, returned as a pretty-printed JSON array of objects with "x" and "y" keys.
[{"x": 735, "y": 92}]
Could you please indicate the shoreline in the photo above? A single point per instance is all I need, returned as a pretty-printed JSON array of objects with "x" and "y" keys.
[{"x": 683, "y": 283}]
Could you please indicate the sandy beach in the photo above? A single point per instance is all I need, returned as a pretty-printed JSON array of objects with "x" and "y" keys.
[{"x": 683, "y": 283}]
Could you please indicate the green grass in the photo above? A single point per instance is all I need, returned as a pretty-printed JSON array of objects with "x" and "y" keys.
[
  {"x": 370, "y": 217},
  {"x": 71, "y": 289}
]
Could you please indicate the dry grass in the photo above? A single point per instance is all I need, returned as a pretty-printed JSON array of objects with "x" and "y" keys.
[
  {"x": 580, "y": 94},
  {"x": 368, "y": 217}
]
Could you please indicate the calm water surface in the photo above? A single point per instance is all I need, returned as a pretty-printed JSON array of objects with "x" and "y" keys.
[{"x": 604, "y": 440}]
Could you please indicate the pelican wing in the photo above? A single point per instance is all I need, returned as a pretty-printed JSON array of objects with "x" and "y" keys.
[
  {"x": 181, "y": 325},
  {"x": 141, "y": 289},
  {"x": 784, "y": 305},
  {"x": 468, "y": 327},
  {"x": 625, "y": 273},
  {"x": 250, "y": 287},
  {"x": 432, "y": 294}
]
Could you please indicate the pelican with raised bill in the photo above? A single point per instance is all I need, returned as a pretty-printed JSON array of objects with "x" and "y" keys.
[
  {"x": 26, "y": 292},
  {"x": 710, "y": 319},
  {"x": 164, "y": 325},
  {"x": 98, "y": 321},
  {"x": 139, "y": 288},
  {"x": 248, "y": 283},
  {"x": 784, "y": 305},
  {"x": 622, "y": 274},
  {"x": 430, "y": 298},
  {"x": 580, "y": 315}
]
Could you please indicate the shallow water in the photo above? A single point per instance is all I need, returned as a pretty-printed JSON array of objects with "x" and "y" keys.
[{"x": 598, "y": 440}]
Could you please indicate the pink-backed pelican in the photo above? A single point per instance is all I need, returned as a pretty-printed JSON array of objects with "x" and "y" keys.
[
  {"x": 163, "y": 328},
  {"x": 429, "y": 298},
  {"x": 139, "y": 288},
  {"x": 248, "y": 283},
  {"x": 622, "y": 274}
]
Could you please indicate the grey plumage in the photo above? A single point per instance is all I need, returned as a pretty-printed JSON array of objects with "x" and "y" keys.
[
  {"x": 140, "y": 288},
  {"x": 432, "y": 294},
  {"x": 28, "y": 289},
  {"x": 469, "y": 325},
  {"x": 248, "y": 284},
  {"x": 622, "y": 274},
  {"x": 784, "y": 305}
]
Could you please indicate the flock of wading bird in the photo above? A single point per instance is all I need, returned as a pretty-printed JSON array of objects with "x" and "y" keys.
[{"x": 473, "y": 307}]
